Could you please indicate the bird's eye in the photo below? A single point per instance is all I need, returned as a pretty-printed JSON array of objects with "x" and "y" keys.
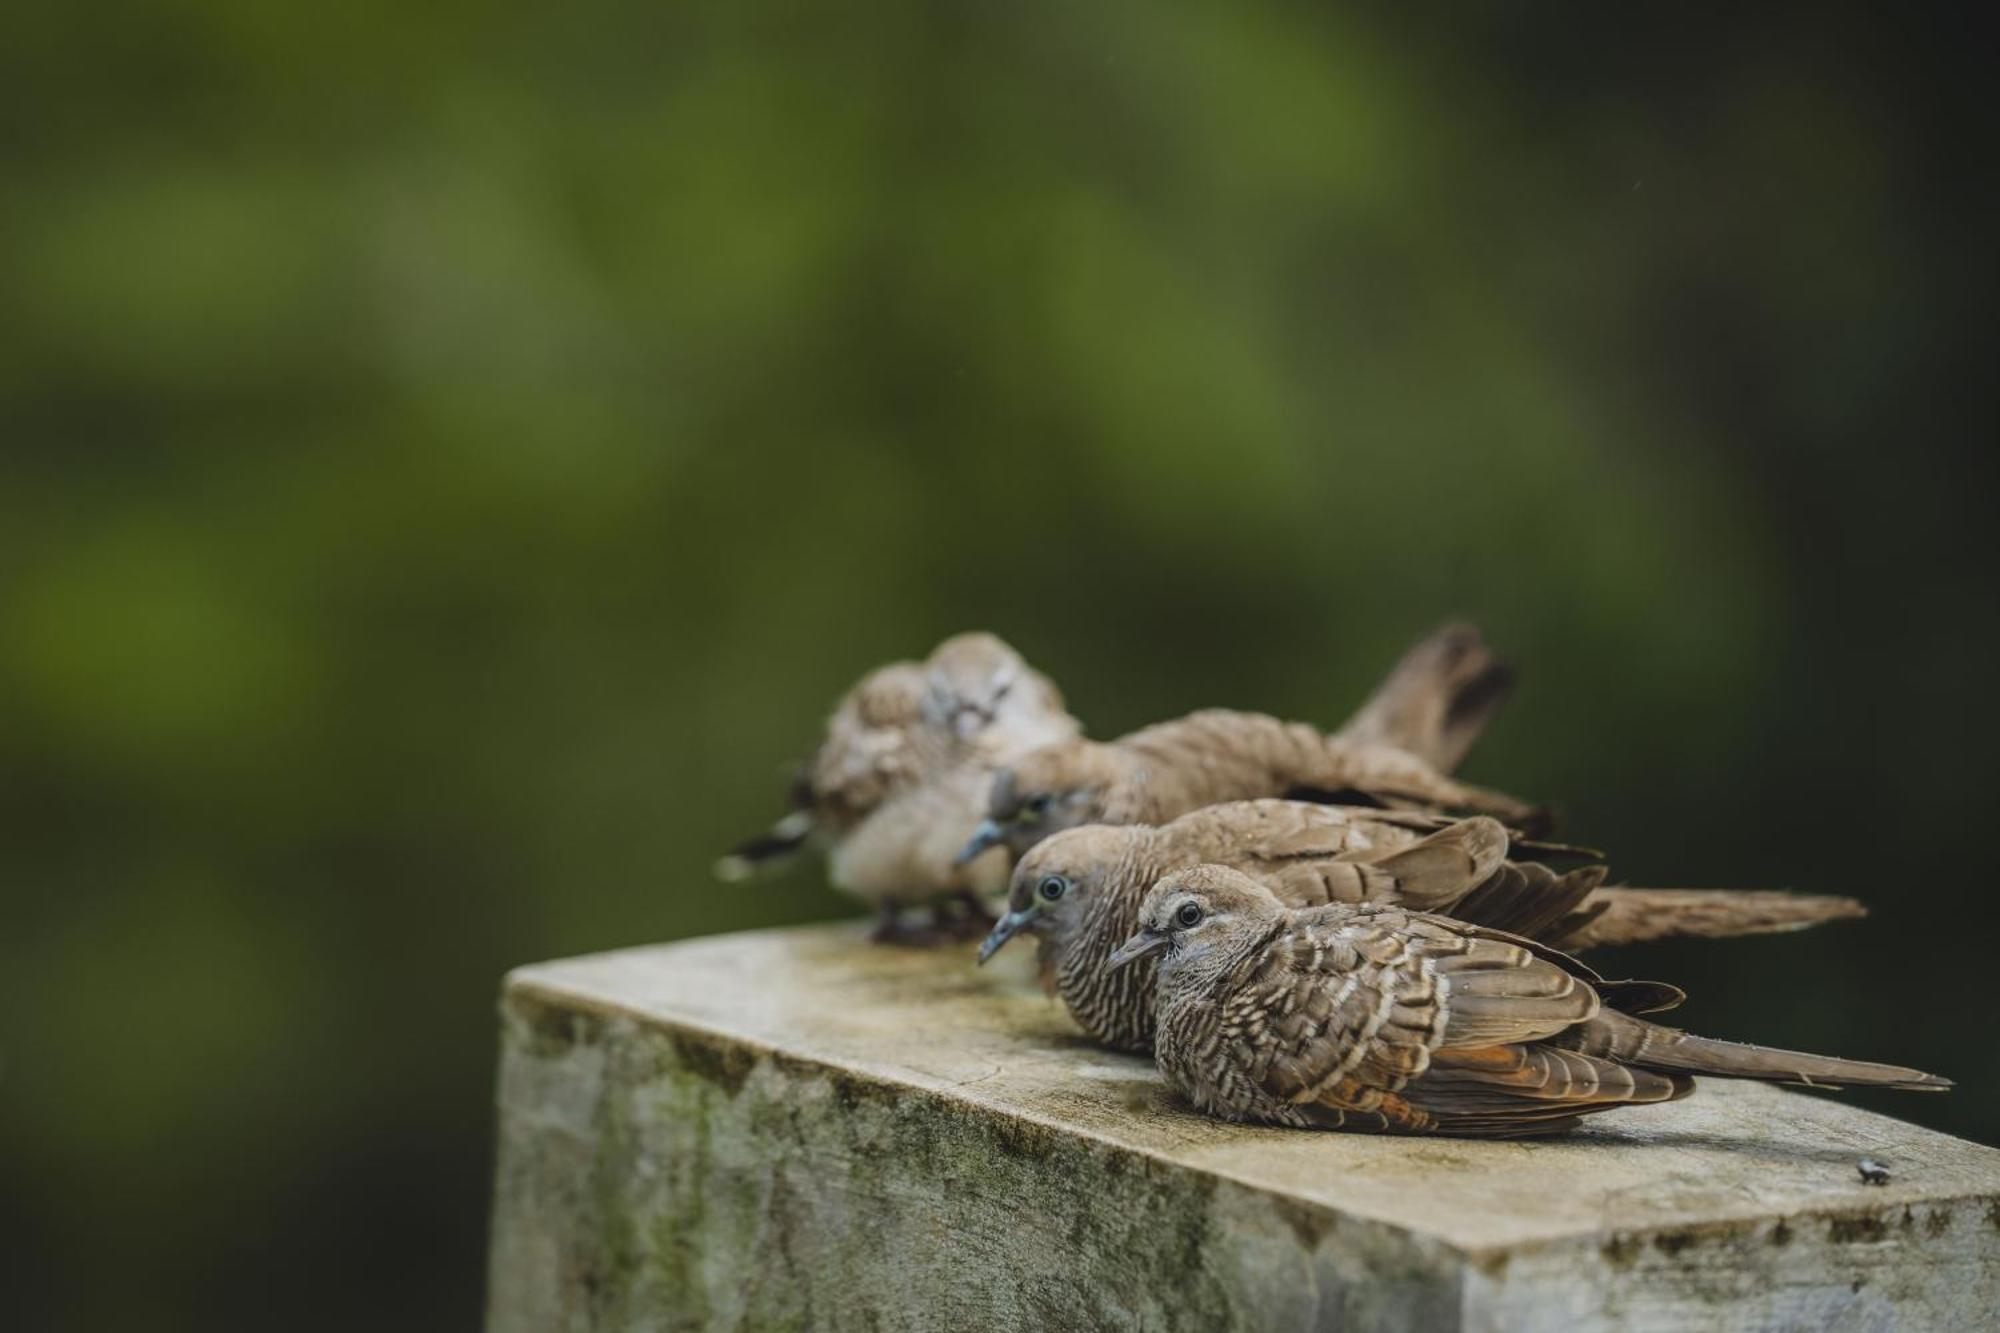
[
  {"x": 1052, "y": 888},
  {"x": 1188, "y": 917},
  {"x": 1039, "y": 805}
]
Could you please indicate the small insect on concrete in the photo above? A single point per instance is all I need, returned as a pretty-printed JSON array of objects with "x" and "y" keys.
[{"x": 1872, "y": 1171}]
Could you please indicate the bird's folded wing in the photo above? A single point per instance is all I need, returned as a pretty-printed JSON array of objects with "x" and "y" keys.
[
  {"x": 1498, "y": 991},
  {"x": 1522, "y": 846},
  {"x": 1347, "y": 1003},
  {"x": 1310, "y": 854},
  {"x": 1517, "y": 1089},
  {"x": 871, "y": 741},
  {"x": 1436, "y": 872},
  {"x": 1339, "y": 1001},
  {"x": 1526, "y": 898},
  {"x": 1271, "y": 831}
]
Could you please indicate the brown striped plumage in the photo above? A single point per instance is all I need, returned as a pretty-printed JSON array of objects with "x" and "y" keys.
[
  {"x": 1308, "y": 854},
  {"x": 1373, "y": 1017}
]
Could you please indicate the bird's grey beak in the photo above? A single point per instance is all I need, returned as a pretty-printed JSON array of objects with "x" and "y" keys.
[
  {"x": 1143, "y": 945},
  {"x": 1006, "y": 928},
  {"x": 988, "y": 834},
  {"x": 968, "y": 722}
]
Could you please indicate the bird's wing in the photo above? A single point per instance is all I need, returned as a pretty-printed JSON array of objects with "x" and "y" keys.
[
  {"x": 1219, "y": 755},
  {"x": 1275, "y": 830},
  {"x": 1313, "y": 854},
  {"x": 1387, "y": 1020},
  {"x": 876, "y": 743},
  {"x": 1351, "y": 1000},
  {"x": 1527, "y": 898},
  {"x": 1517, "y": 1089},
  {"x": 1336, "y": 1008}
]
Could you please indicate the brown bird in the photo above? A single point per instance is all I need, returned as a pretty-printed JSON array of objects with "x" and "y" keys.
[
  {"x": 1079, "y": 892},
  {"x": 1377, "y": 1018},
  {"x": 1394, "y": 751},
  {"x": 1168, "y": 769},
  {"x": 902, "y": 776}
]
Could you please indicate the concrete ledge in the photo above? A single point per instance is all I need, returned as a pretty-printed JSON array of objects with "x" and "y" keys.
[{"x": 793, "y": 1130}]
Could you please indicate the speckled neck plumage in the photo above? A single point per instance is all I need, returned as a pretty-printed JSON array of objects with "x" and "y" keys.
[
  {"x": 1192, "y": 1037},
  {"x": 1115, "y": 1006}
]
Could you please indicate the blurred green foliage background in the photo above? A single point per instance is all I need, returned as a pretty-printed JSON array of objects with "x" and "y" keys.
[{"x": 454, "y": 456}]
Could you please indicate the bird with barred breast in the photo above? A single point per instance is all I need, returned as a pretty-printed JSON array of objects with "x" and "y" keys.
[
  {"x": 1373, "y": 1017},
  {"x": 1079, "y": 893}
]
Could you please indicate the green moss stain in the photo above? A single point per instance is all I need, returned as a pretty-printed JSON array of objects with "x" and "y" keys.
[{"x": 710, "y": 1155}]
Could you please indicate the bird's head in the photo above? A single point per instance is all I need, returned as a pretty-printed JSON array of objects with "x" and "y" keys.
[
  {"x": 1043, "y": 792},
  {"x": 1059, "y": 884},
  {"x": 974, "y": 680},
  {"x": 1205, "y": 914}
]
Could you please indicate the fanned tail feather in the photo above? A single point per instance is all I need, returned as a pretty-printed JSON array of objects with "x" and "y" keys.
[{"x": 1437, "y": 700}]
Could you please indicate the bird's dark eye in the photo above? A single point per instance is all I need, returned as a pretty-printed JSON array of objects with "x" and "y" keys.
[
  {"x": 1188, "y": 917},
  {"x": 1039, "y": 805},
  {"x": 1052, "y": 887}
]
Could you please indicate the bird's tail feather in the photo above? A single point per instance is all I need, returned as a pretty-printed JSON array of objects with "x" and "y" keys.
[
  {"x": 1435, "y": 701},
  {"x": 1631, "y": 916},
  {"x": 782, "y": 841},
  {"x": 1635, "y": 1041}
]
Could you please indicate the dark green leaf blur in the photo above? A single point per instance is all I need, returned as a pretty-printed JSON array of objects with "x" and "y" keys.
[{"x": 454, "y": 456}]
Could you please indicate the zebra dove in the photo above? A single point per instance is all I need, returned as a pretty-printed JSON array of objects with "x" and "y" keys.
[
  {"x": 1215, "y": 755},
  {"x": 902, "y": 776},
  {"x": 1078, "y": 893},
  {"x": 1373, "y": 1017}
]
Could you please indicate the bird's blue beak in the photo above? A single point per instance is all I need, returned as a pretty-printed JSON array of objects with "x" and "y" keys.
[
  {"x": 1006, "y": 928},
  {"x": 988, "y": 834},
  {"x": 1143, "y": 945}
]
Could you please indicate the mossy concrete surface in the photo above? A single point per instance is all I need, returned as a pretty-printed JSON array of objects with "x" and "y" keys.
[{"x": 797, "y": 1130}]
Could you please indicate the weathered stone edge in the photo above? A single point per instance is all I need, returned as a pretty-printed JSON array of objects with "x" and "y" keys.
[{"x": 729, "y": 1057}]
